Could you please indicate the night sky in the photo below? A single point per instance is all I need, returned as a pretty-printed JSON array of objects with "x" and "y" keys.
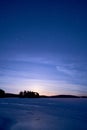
[{"x": 43, "y": 46}]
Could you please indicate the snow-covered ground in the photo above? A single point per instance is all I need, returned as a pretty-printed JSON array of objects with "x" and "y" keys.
[{"x": 43, "y": 114}]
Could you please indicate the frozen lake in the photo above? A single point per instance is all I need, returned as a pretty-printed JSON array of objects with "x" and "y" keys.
[{"x": 43, "y": 114}]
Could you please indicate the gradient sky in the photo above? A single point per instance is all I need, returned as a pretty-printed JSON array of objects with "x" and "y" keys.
[{"x": 43, "y": 46}]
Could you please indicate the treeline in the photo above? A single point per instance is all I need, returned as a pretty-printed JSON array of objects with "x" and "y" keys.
[
  {"x": 28, "y": 94},
  {"x": 22, "y": 94}
]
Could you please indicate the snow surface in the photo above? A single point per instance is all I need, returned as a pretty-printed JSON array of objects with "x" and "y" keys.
[{"x": 43, "y": 114}]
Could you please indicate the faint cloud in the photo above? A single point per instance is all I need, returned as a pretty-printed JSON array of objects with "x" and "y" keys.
[{"x": 64, "y": 70}]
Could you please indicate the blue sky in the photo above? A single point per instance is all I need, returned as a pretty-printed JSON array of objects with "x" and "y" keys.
[{"x": 43, "y": 46}]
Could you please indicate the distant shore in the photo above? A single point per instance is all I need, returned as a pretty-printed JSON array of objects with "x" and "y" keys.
[
  {"x": 11, "y": 95},
  {"x": 31, "y": 94}
]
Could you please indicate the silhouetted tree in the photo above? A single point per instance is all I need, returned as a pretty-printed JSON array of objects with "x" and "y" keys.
[
  {"x": 25, "y": 92},
  {"x": 21, "y": 94},
  {"x": 2, "y": 93}
]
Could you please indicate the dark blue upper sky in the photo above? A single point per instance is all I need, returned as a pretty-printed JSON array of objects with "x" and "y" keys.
[{"x": 43, "y": 46}]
